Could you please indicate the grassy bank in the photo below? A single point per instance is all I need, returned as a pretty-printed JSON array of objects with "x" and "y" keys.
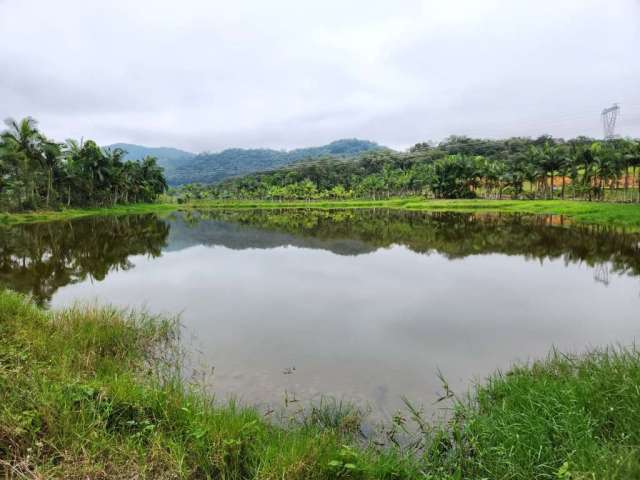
[
  {"x": 615, "y": 214},
  {"x": 71, "y": 213},
  {"x": 86, "y": 393}
]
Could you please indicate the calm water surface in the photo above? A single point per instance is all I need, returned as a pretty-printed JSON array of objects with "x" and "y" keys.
[{"x": 363, "y": 305}]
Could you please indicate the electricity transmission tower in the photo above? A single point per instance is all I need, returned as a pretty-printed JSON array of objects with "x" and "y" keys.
[{"x": 609, "y": 117}]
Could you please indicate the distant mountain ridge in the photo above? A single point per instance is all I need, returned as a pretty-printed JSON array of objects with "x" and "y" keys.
[
  {"x": 183, "y": 167},
  {"x": 215, "y": 167}
]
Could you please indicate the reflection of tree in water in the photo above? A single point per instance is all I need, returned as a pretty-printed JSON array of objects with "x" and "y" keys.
[
  {"x": 40, "y": 258},
  {"x": 455, "y": 235}
]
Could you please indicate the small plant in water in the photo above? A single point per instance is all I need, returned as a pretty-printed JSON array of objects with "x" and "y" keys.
[
  {"x": 336, "y": 415},
  {"x": 346, "y": 465}
]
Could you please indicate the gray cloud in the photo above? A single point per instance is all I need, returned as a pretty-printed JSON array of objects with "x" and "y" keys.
[{"x": 208, "y": 75}]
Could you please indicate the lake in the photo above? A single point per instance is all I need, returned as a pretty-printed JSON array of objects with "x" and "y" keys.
[{"x": 362, "y": 305}]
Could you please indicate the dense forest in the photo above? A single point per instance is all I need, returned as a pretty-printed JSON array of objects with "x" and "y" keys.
[
  {"x": 37, "y": 172},
  {"x": 459, "y": 167},
  {"x": 214, "y": 167}
]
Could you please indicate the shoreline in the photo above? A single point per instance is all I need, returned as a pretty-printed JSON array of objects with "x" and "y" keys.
[
  {"x": 619, "y": 215},
  {"x": 97, "y": 392}
]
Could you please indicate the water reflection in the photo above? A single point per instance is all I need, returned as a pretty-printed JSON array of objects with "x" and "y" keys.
[
  {"x": 37, "y": 259},
  {"x": 364, "y": 304},
  {"x": 454, "y": 235},
  {"x": 40, "y": 258}
]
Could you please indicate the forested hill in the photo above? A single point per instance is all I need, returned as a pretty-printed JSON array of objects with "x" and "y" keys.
[
  {"x": 167, "y": 156},
  {"x": 183, "y": 167},
  {"x": 458, "y": 167},
  {"x": 214, "y": 167}
]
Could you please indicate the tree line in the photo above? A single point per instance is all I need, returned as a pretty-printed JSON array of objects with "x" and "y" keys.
[
  {"x": 37, "y": 172},
  {"x": 459, "y": 167}
]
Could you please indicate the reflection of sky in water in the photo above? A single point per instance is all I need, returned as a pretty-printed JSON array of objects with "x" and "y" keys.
[{"x": 370, "y": 327}]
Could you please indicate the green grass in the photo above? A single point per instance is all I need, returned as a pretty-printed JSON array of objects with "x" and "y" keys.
[
  {"x": 71, "y": 213},
  {"x": 93, "y": 392},
  {"x": 614, "y": 214},
  {"x": 568, "y": 416},
  {"x": 86, "y": 393}
]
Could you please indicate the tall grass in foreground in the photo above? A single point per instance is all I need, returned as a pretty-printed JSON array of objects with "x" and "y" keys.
[
  {"x": 86, "y": 393},
  {"x": 569, "y": 416},
  {"x": 97, "y": 393}
]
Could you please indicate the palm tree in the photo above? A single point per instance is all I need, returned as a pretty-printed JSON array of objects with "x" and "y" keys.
[
  {"x": 533, "y": 161},
  {"x": 631, "y": 160},
  {"x": 153, "y": 177},
  {"x": 633, "y": 156},
  {"x": 575, "y": 162},
  {"x": 564, "y": 164},
  {"x": 94, "y": 168},
  {"x": 71, "y": 167},
  {"x": 51, "y": 160},
  {"x": 551, "y": 159},
  {"x": 610, "y": 166},
  {"x": 116, "y": 175},
  {"x": 23, "y": 134},
  {"x": 24, "y": 139}
]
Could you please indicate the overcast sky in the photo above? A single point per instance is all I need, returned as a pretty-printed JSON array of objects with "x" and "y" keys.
[{"x": 211, "y": 74}]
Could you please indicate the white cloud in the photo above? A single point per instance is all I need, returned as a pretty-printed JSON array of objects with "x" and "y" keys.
[{"x": 212, "y": 74}]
